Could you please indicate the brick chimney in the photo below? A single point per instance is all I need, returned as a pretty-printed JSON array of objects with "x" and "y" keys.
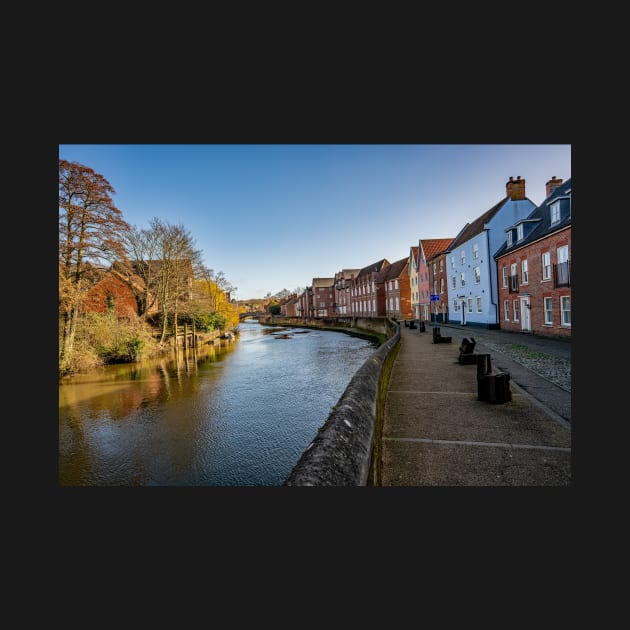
[
  {"x": 552, "y": 184},
  {"x": 515, "y": 188}
]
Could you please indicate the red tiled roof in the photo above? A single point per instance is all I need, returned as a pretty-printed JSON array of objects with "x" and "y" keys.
[{"x": 434, "y": 246}]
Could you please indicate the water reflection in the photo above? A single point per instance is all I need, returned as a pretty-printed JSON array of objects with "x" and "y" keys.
[{"x": 236, "y": 414}]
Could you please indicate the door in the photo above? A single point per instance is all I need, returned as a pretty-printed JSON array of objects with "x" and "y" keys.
[{"x": 525, "y": 315}]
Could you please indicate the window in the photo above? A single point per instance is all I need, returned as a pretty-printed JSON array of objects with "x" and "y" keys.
[
  {"x": 478, "y": 299},
  {"x": 515, "y": 310},
  {"x": 562, "y": 272},
  {"x": 397, "y": 303},
  {"x": 396, "y": 283},
  {"x": 391, "y": 304},
  {"x": 546, "y": 266},
  {"x": 456, "y": 305},
  {"x": 441, "y": 264},
  {"x": 475, "y": 251},
  {"x": 374, "y": 305},
  {"x": 463, "y": 256},
  {"x": 513, "y": 279},
  {"x": 322, "y": 304},
  {"x": 548, "y": 307},
  {"x": 519, "y": 232},
  {"x": 509, "y": 238},
  {"x": 441, "y": 285},
  {"x": 554, "y": 209},
  {"x": 469, "y": 301},
  {"x": 454, "y": 282},
  {"x": 565, "y": 310},
  {"x": 505, "y": 277},
  {"x": 525, "y": 277},
  {"x": 462, "y": 280},
  {"x": 506, "y": 310},
  {"x": 452, "y": 262},
  {"x": 477, "y": 271},
  {"x": 435, "y": 286},
  {"x": 433, "y": 268}
]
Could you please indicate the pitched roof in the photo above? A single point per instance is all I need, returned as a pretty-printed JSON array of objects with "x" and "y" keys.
[
  {"x": 476, "y": 227},
  {"x": 434, "y": 246},
  {"x": 323, "y": 282},
  {"x": 541, "y": 217},
  {"x": 374, "y": 267},
  {"x": 395, "y": 270}
]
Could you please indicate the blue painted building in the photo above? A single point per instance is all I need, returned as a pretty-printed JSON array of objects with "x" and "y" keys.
[{"x": 471, "y": 267}]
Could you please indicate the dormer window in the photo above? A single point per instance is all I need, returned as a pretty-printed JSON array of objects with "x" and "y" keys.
[
  {"x": 554, "y": 209},
  {"x": 509, "y": 238},
  {"x": 519, "y": 232}
]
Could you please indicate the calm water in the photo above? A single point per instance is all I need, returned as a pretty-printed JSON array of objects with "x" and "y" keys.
[{"x": 237, "y": 415}]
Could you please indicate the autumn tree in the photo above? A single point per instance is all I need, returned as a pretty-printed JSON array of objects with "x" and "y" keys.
[{"x": 91, "y": 233}]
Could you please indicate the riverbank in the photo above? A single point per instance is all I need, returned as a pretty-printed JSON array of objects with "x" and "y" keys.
[{"x": 355, "y": 331}]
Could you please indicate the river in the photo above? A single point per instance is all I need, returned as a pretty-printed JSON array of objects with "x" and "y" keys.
[{"x": 239, "y": 414}]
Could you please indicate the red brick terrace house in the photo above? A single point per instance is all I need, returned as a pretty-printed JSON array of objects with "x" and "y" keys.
[
  {"x": 323, "y": 297},
  {"x": 427, "y": 249},
  {"x": 288, "y": 307},
  {"x": 110, "y": 293},
  {"x": 367, "y": 293},
  {"x": 438, "y": 277},
  {"x": 534, "y": 267},
  {"x": 343, "y": 281},
  {"x": 397, "y": 290},
  {"x": 304, "y": 307}
]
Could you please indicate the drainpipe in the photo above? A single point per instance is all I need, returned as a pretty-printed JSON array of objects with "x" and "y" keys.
[{"x": 491, "y": 283}]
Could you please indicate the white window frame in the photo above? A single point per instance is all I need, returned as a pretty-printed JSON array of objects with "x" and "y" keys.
[
  {"x": 462, "y": 256},
  {"x": 454, "y": 283},
  {"x": 452, "y": 262},
  {"x": 506, "y": 310},
  {"x": 441, "y": 285},
  {"x": 546, "y": 265},
  {"x": 524, "y": 272},
  {"x": 548, "y": 311},
  {"x": 462, "y": 279},
  {"x": 565, "y": 310},
  {"x": 505, "y": 277},
  {"x": 469, "y": 304},
  {"x": 475, "y": 251},
  {"x": 478, "y": 300},
  {"x": 477, "y": 272},
  {"x": 554, "y": 212},
  {"x": 562, "y": 254},
  {"x": 509, "y": 238},
  {"x": 516, "y": 311},
  {"x": 519, "y": 232}
]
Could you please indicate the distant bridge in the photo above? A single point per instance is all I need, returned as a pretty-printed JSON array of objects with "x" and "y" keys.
[{"x": 254, "y": 314}]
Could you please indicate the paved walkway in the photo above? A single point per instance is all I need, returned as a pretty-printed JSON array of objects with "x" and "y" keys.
[{"x": 436, "y": 432}]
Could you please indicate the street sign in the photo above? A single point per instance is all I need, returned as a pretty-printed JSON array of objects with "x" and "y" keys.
[{"x": 435, "y": 297}]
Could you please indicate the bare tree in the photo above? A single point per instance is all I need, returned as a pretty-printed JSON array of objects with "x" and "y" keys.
[
  {"x": 178, "y": 261},
  {"x": 91, "y": 232}
]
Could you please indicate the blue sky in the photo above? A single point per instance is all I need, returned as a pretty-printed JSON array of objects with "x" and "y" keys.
[{"x": 273, "y": 217}]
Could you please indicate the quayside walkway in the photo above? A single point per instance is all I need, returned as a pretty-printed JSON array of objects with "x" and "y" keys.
[{"x": 437, "y": 433}]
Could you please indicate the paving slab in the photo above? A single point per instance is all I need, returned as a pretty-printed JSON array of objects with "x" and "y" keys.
[{"x": 437, "y": 432}]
